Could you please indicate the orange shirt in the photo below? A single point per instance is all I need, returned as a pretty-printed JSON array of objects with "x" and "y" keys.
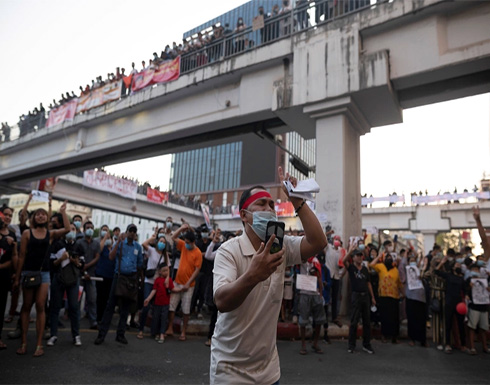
[
  {"x": 189, "y": 261},
  {"x": 389, "y": 281}
]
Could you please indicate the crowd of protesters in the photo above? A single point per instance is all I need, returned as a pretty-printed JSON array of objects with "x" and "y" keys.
[{"x": 173, "y": 274}]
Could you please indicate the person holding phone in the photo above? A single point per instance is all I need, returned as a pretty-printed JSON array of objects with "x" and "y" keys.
[{"x": 248, "y": 288}]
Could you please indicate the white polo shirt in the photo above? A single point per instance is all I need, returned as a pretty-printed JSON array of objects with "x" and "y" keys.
[{"x": 243, "y": 348}]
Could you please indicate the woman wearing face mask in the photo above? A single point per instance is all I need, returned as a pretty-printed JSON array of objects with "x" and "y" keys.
[
  {"x": 105, "y": 269},
  {"x": 62, "y": 255},
  {"x": 415, "y": 304},
  {"x": 455, "y": 286},
  {"x": 389, "y": 294},
  {"x": 34, "y": 246},
  {"x": 156, "y": 252}
]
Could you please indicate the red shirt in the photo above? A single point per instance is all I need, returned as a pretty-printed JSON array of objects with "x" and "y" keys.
[{"x": 161, "y": 295}]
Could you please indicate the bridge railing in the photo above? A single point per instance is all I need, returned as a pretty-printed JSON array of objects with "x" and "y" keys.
[{"x": 303, "y": 17}]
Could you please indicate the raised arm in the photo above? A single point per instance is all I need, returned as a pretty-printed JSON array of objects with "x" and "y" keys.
[
  {"x": 66, "y": 224},
  {"x": 481, "y": 230},
  {"x": 375, "y": 261},
  {"x": 314, "y": 240}
]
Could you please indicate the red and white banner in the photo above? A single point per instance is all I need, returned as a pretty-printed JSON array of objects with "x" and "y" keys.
[
  {"x": 99, "y": 180},
  {"x": 100, "y": 96},
  {"x": 165, "y": 72},
  {"x": 47, "y": 184},
  {"x": 206, "y": 215},
  {"x": 156, "y": 196},
  {"x": 62, "y": 113}
]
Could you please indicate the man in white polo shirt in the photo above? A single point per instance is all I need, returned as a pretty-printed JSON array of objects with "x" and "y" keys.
[{"x": 248, "y": 289}]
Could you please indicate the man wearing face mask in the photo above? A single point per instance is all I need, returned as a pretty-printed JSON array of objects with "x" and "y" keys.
[
  {"x": 248, "y": 289},
  {"x": 77, "y": 221},
  {"x": 389, "y": 290},
  {"x": 332, "y": 257},
  {"x": 455, "y": 286},
  {"x": 189, "y": 266},
  {"x": 89, "y": 249}
]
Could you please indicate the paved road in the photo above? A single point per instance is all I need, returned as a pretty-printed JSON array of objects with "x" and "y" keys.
[{"x": 176, "y": 362}]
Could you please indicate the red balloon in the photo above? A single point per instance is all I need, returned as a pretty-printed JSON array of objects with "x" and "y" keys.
[{"x": 461, "y": 308}]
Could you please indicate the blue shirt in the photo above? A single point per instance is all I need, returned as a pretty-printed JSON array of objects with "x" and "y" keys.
[
  {"x": 105, "y": 267},
  {"x": 131, "y": 257}
]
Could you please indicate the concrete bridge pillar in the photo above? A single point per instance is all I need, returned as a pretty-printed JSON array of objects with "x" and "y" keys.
[
  {"x": 429, "y": 240},
  {"x": 339, "y": 125}
]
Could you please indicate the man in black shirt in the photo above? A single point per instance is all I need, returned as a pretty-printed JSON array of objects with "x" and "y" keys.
[{"x": 361, "y": 290}]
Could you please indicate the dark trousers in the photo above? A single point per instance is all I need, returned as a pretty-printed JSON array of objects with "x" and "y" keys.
[
  {"x": 335, "y": 298},
  {"x": 4, "y": 291},
  {"x": 103, "y": 290},
  {"x": 360, "y": 308},
  {"x": 109, "y": 312},
  {"x": 212, "y": 322},
  {"x": 144, "y": 312},
  {"x": 57, "y": 290},
  {"x": 449, "y": 314},
  {"x": 160, "y": 319}
]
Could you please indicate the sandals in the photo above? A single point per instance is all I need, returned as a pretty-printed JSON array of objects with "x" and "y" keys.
[
  {"x": 161, "y": 340},
  {"x": 22, "y": 350},
  {"x": 182, "y": 338},
  {"x": 303, "y": 352},
  {"x": 139, "y": 335},
  {"x": 39, "y": 351},
  {"x": 448, "y": 350},
  {"x": 472, "y": 352},
  {"x": 9, "y": 319}
]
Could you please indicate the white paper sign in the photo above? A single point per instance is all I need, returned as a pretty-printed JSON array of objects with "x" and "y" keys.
[
  {"x": 479, "y": 291},
  {"x": 306, "y": 282},
  {"x": 413, "y": 279},
  {"x": 40, "y": 196}
]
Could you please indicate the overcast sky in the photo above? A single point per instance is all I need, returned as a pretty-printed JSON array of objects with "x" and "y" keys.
[{"x": 51, "y": 46}]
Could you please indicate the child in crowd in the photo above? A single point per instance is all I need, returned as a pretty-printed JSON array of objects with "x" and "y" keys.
[{"x": 162, "y": 288}]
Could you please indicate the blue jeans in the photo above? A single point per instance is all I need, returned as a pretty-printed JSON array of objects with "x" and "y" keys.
[
  {"x": 144, "y": 312},
  {"x": 91, "y": 300},
  {"x": 57, "y": 290},
  {"x": 160, "y": 319},
  {"x": 109, "y": 312}
]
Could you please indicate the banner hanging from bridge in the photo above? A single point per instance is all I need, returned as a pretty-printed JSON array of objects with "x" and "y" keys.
[
  {"x": 156, "y": 196},
  {"x": 165, "y": 72},
  {"x": 99, "y": 180},
  {"x": 416, "y": 200},
  {"x": 98, "y": 97},
  {"x": 62, "y": 114}
]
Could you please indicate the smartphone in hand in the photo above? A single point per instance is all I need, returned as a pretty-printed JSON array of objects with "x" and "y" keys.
[{"x": 277, "y": 229}]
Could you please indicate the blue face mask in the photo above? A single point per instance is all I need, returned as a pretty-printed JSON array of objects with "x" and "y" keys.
[
  {"x": 107, "y": 242},
  {"x": 169, "y": 225},
  {"x": 413, "y": 263},
  {"x": 480, "y": 263},
  {"x": 361, "y": 247},
  {"x": 260, "y": 220},
  {"x": 160, "y": 235},
  {"x": 70, "y": 236},
  {"x": 188, "y": 246},
  {"x": 460, "y": 260},
  {"x": 161, "y": 246},
  {"x": 89, "y": 233},
  {"x": 77, "y": 224},
  {"x": 475, "y": 274},
  {"x": 103, "y": 233}
]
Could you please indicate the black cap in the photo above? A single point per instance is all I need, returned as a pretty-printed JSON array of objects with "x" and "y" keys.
[
  {"x": 130, "y": 226},
  {"x": 357, "y": 252}
]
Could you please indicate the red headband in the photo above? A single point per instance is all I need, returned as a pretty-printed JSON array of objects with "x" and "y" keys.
[{"x": 254, "y": 197}]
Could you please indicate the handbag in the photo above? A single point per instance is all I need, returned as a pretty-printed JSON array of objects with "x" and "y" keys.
[
  {"x": 32, "y": 280},
  {"x": 69, "y": 275},
  {"x": 150, "y": 273},
  {"x": 126, "y": 285}
]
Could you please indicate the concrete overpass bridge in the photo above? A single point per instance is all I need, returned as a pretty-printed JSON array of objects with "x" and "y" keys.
[
  {"x": 332, "y": 82},
  {"x": 428, "y": 220}
]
